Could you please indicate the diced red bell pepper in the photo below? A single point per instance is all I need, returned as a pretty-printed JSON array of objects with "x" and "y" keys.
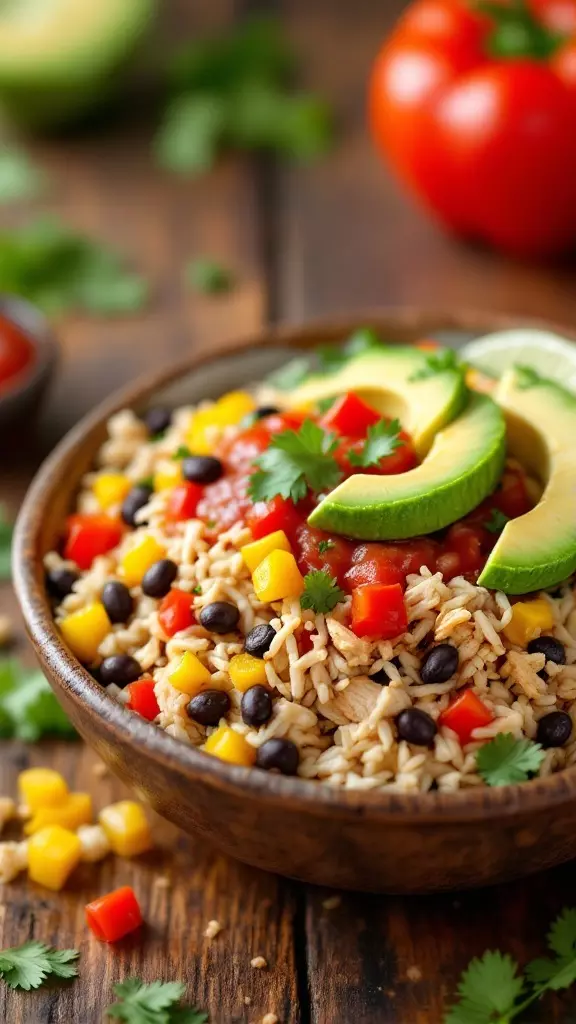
[
  {"x": 378, "y": 611},
  {"x": 350, "y": 416},
  {"x": 175, "y": 612},
  {"x": 465, "y": 714},
  {"x": 88, "y": 536},
  {"x": 113, "y": 916},
  {"x": 183, "y": 501},
  {"x": 268, "y": 516},
  {"x": 142, "y": 699}
]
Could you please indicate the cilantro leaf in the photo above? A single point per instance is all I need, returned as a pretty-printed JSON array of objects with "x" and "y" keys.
[
  {"x": 488, "y": 989},
  {"x": 505, "y": 760},
  {"x": 153, "y": 1003},
  {"x": 191, "y": 134},
  {"x": 497, "y": 521},
  {"x": 182, "y": 452},
  {"x": 294, "y": 462},
  {"x": 28, "y": 707},
  {"x": 382, "y": 439},
  {"x": 6, "y": 531},
  {"x": 29, "y": 965},
  {"x": 265, "y": 117},
  {"x": 321, "y": 591},
  {"x": 325, "y": 545},
  {"x": 19, "y": 178},
  {"x": 209, "y": 277},
  {"x": 291, "y": 374},
  {"x": 561, "y": 972},
  {"x": 437, "y": 362},
  {"x": 528, "y": 377},
  {"x": 365, "y": 339}
]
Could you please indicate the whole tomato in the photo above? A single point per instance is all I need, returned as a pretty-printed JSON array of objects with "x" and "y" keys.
[{"x": 475, "y": 107}]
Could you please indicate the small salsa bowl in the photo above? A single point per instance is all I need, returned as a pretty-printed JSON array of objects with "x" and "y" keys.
[
  {"x": 387, "y": 842},
  {"x": 20, "y": 394}
]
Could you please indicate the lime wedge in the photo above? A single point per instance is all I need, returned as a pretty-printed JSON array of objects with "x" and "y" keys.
[{"x": 551, "y": 355}]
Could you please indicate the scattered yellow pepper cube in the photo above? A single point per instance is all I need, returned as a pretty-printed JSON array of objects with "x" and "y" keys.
[
  {"x": 233, "y": 407},
  {"x": 197, "y": 437},
  {"x": 111, "y": 488},
  {"x": 76, "y": 810},
  {"x": 53, "y": 853},
  {"x": 85, "y": 630},
  {"x": 126, "y": 827},
  {"x": 246, "y": 671},
  {"x": 190, "y": 675},
  {"x": 226, "y": 412},
  {"x": 277, "y": 576},
  {"x": 256, "y": 552},
  {"x": 529, "y": 619},
  {"x": 139, "y": 558},
  {"x": 168, "y": 475},
  {"x": 230, "y": 746},
  {"x": 42, "y": 787}
]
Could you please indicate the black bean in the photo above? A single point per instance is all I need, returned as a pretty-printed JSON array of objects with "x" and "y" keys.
[
  {"x": 202, "y": 469},
  {"x": 135, "y": 500},
  {"x": 550, "y": 647},
  {"x": 439, "y": 664},
  {"x": 258, "y": 640},
  {"x": 120, "y": 669},
  {"x": 158, "y": 420},
  {"x": 415, "y": 726},
  {"x": 283, "y": 755},
  {"x": 158, "y": 579},
  {"x": 208, "y": 707},
  {"x": 256, "y": 706},
  {"x": 118, "y": 601},
  {"x": 554, "y": 729},
  {"x": 258, "y": 414},
  {"x": 220, "y": 617},
  {"x": 59, "y": 582}
]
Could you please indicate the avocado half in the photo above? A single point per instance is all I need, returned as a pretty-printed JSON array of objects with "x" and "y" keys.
[
  {"x": 60, "y": 57},
  {"x": 463, "y": 466},
  {"x": 538, "y": 550}
]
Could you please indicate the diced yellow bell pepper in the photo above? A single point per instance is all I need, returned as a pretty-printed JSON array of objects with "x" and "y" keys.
[
  {"x": 53, "y": 853},
  {"x": 277, "y": 576},
  {"x": 126, "y": 827},
  {"x": 85, "y": 630},
  {"x": 230, "y": 746},
  {"x": 256, "y": 552},
  {"x": 75, "y": 811},
  {"x": 168, "y": 474},
  {"x": 246, "y": 671},
  {"x": 529, "y": 620},
  {"x": 139, "y": 558},
  {"x": 226, "y": 412},
  {"x": 42, "y": 787},
  {"x": 111, "y": 488},
  {"x": 190, "y": 675},
  {"x": 233, "y": 407}
]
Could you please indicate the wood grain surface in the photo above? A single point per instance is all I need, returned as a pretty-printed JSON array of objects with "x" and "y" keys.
[{"x": 336, "y": 236}]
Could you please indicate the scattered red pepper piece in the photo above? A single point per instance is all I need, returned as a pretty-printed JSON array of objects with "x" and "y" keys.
[
  {"x": 115, "y": 915},
  {"x": 378, "y": 611},
  {"x": 183, "y": 501},
  {"x": 175, "y": 612},
  {"x": 142, "y": 699},
  {"x": 350, "y": 416},
  {"x": 88, "y": 536},
  {"x": 465, "y": 714},
  {"x": 268, "y": 516}
]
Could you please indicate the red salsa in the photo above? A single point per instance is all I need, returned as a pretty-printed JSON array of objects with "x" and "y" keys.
[{"x": 17, "y": 352}]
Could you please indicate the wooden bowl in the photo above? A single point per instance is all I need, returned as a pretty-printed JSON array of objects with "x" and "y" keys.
[{"x": 373, "y": 841}]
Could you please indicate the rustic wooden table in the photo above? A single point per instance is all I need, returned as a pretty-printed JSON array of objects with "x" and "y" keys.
[{"x": 334, "y": 237}]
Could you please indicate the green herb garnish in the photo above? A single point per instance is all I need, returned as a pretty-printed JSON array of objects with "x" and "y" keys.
[
  {"x": 197, "y": 589},
  {"x": 528, "y": 377},
  {"x": 497, "y": 521},
  {"x": 505, "y": 760},
  {"x": 291, "y": 374},
  {"x": 437, "y": 362},
  {"x": 325, "y": 545},
  {"x": 321, "y": 591},
  {"x": 294, "y": 462},
  {"x": 27, "y": 966},
  {"x": 154, "y": 1003},
  {"x": 382, "y": 439},
  {"x": 6, "y": 531},
  {"x": 209, "y": 277},
  {"x": 147, "y": 481},
  {"x": 28, "y": 708},
  {"x": 182, "y": 452},
  {"x": 19, "y": 178}
]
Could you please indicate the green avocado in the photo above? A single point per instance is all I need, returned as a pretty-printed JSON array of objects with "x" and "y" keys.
[
  {"x": 538, "y": 549},
  {"x": 464, "y": 465},
  {"x": 60, "y": 57},
  {"x": 397, "y": 382}
]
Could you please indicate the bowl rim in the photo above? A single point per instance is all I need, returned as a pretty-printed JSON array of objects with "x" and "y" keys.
[
  {"x": 310, "y": 796},
  {"x": 36, "y": 327}
]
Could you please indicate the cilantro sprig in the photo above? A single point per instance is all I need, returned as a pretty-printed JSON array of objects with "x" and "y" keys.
[
  {"x": 492, "y": 991},
  {"x": 321, "y": 591},
  {"x": 20, "y": 179},
  {"x": 182, "y": 452},
  {"x": 29, "y": 965},
  {"x": 497, "y": 521},
  {"x": 435, "y": 363},
  {"x": 382, "y": 439},
  {"x": 208, "y": 277},
  {"x": 527, "y": 377},
  {"x": 506, "y": 760},
  {"x": 153, "y": 1003},
  {"x": 28, "y": 707},
  {"x": 295, "y": 461}
]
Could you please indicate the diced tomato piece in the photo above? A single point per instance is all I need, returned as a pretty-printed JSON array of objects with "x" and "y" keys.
[
  {"x": 183, "y": 501},
  {"x": 378, "y": 611},
  {"x": 468, "y": 543},
  {"x": 240, "y": 452},
  {"x": 350, "y": 416},
  {"x": 278, "y": 514},
  {"x": 175, "y": 612},
  {"x": 448, "y": 563},
  {"x": 408, "y": 556},
  {"x": 279, "y": 421},
  {"x": 373, "y": 571},
  {"x": 318, "y": 550},
  {"x": 88, "y": 536},
  {"x": 511, "y": 497},
  {"x": 465, "y": 714},
  {"x": 115, "y": 915},
  {"x": 142, "y": 699},
  {"x": 304, "y": 641},
  {"x": 400, "y": 460}
]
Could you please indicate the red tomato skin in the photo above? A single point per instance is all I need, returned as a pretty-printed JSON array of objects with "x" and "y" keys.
[
  {"x": 88, "y": 536},
  {"x": 335, "y": 560},
  {"x": 378, "y": 611},
  {"x": 17, "y": 353},
  {"x": 142, "y": 699},
  {"x": 175, "y": 612},
  {"x": 350, "y": 416},
  {"x": 115, "y": 915},
  {"x": 266, "y": 517},
  {"x": 466, "y": 713},
  {"x": 373, "y": 571},
  {"x": 183, "y": 501},
  {"x": 400, "y": 460}
]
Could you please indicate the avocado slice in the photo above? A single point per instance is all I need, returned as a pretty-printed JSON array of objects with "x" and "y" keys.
[
  {"x": 59, "y": 57},
  {"x": 538, "y": 549},
  {"x": 386, "y": 379},
  {"x": 462, "y": 467}
]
